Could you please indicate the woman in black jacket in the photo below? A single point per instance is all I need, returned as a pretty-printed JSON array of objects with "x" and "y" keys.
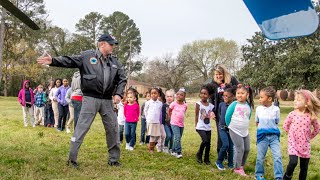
[{"x": 221, "y": 77}]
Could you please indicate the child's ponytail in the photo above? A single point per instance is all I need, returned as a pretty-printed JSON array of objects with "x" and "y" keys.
[{"x": 250, "y": 91}]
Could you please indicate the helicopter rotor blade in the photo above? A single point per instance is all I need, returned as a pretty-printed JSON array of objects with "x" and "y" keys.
[{"x": 19, "y": 14}]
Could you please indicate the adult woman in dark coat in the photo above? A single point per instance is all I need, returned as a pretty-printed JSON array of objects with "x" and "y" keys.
[{"x": 220, "y": 77}]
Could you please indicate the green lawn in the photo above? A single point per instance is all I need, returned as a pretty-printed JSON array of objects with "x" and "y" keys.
[{"x": 41, "y": 153}]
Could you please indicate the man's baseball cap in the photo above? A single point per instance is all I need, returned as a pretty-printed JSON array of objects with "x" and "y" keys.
[{"x": 108, "y": 38}]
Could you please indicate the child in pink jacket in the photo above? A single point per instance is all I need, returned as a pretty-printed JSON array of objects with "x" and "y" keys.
[
  {"x": 26, "y": 99},
  {"x": 299, "y": 125}
]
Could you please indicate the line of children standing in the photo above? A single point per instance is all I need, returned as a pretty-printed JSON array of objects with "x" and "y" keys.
[
  {"x": 235, "y": 127},
  {"x": 41, "y": 101},
  {"x": 161, "y": 129}
]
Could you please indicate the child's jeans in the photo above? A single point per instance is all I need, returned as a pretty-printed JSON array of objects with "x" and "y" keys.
[
  {"x": 242, "y": 145},
  {"x": 130, "y": 133},
  {"x": 273, "y": 142},
  {"x": 169, "y": 136},
  {"x": 121, "y": 129},
  {"x": 49, "y": 118},
  {"x": 143, "y": 137},
  {"x": 177, "y": 134},
  {"x": 162, "y": 138},
  {"x": 227, "y": 146}
]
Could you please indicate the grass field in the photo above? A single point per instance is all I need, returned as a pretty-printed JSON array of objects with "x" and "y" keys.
[{"x": 41, "y": 153}]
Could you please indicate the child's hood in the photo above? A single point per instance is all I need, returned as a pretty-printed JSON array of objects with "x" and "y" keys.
[
  {"x": 76, "y": 74},
  {"x": 24, "y": 84}
]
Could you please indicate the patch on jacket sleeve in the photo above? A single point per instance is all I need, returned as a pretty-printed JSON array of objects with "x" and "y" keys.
[{"x": 93, "y": 60}]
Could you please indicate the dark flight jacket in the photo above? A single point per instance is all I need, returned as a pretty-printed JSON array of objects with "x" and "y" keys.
[{"x": 92, "y": 70}]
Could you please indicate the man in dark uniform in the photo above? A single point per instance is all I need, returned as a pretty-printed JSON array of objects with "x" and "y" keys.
[{"x": 102, "y": 77}]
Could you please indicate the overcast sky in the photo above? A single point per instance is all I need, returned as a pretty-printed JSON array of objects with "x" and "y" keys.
[{"x": 165, "y": 25}]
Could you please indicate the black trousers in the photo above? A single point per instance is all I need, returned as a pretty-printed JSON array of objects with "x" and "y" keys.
[
  {"x": 63, "y": 113},
  {"x": 205, "y": 144},
  {"x": 304, "y": 162}
]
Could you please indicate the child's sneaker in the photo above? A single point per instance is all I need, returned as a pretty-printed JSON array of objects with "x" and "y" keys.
[
  {"x": 166, "y": 150},
  {"x": 141, "y": 143},
  {"x": 127, "y": 146},
  {"x": 26, "y": 125},
  {"x": 34, "y": 125},
  {"x": 68, "y": 130},
  {"x": 159, "y": 149},
  {"x": 260, "y": 178},
  {"x": 179, "y": 155},
  {"x": 240, "y": 171},
  {"x": 130, "y": 148},
  {"x": 220, "y": 166},
  {"x": 174, "y": 154}
]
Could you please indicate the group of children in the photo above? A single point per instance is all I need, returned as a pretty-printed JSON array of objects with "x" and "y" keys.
[
  {"x": 52, "y": 105},
  {"x": 235, "y": 112},
  {"x": 162, "y": 120},
  {"x": 163, "y": 115},
  {"x": 163, "y": 124}
]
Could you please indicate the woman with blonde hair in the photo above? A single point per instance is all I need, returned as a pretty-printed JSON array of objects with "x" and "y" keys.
[{"x": 221, "y": 77}]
